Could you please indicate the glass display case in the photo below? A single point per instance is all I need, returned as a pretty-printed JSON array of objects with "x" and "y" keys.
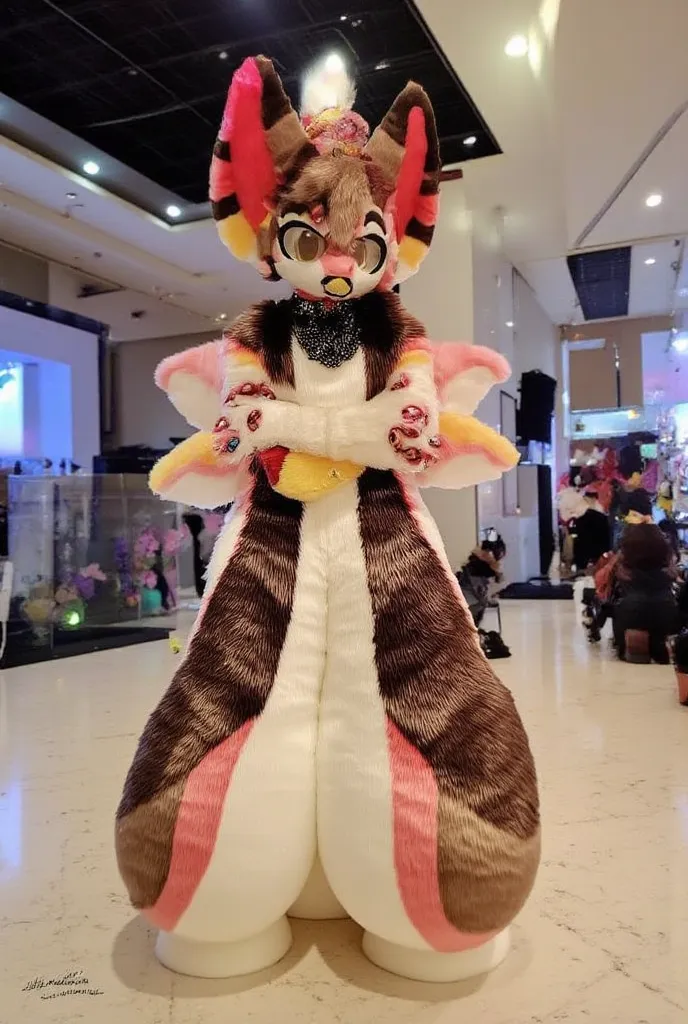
[{"x": 94, "y": 564}]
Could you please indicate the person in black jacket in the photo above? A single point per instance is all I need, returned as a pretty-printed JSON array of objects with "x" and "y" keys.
[
  {"x": 592, "y": 537},
  {"x": 646, "y": 612}
]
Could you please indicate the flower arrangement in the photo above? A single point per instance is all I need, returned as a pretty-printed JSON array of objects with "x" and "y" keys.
[
  {"x": 154, "y": 570},
  {"x": 65, "y": 604}
]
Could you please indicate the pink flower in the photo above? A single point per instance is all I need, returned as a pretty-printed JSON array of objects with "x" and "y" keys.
[{"x": 94, "y": 572}]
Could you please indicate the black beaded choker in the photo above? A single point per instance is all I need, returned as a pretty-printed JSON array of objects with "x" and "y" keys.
[{"x": 329, "y": 333}]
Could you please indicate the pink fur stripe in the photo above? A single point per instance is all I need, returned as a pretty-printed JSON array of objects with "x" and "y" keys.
[
  {"x": 455, "y": 358},
  {"x": 411, "y": 172},
  {"x": 199, "y": 468},
  {"x": 426, "y": 209},
  {"x": 203, "y": 362},
  {"x": 198, "y": 823},
  {"x": 415, "y": 803},
  {"x": 221, "y": 179},
  {"x": 242, "y": 126}
]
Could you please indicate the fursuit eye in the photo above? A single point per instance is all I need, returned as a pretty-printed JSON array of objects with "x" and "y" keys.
[
  {"x": 302, "y": 243},
  {"x": 370, "y": 253}
]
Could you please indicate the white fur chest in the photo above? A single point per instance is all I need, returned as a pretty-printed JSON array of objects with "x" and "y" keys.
[{"x": 320, "y": 385}]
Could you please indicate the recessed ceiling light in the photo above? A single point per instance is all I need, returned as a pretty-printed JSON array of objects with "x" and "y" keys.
[
  {"x": 516, "y": 47},
  {"x": 334, "y": 63},
  {"x": 470, "y": 140},
  {"x": 343, "y": 17},
  {"x": 382, "y": 65},
  {"x": 70, "y": 195},
  {"x": 654, "y": 199},
  {"x": 509, "y": 323},
  {"x": 222, "y": 316},
  {"x": 91, "y": 167},
  {"x": 650, "y": 261},
  {"x": 173, "y": 210},
  {"x": 223, "y": 55}
]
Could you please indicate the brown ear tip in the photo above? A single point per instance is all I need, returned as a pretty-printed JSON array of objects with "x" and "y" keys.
[
  {"x": 265, "y": 64},
  {"x": 415, "y": 89}
]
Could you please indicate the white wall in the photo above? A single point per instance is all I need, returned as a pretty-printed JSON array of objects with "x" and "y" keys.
[
  {"x": 143, "y": 413},
  {"x": 33, "y": 336}
]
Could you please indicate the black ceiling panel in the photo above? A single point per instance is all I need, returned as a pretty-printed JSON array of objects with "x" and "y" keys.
[
  {"x": 602, "y": 281},
  {"x": 145, "y": 80}
]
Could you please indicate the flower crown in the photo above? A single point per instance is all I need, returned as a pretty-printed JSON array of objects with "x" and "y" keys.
[{"x": 335, "y": 129}]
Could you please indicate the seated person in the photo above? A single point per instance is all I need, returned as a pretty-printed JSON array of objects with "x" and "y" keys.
[
  {"x": 482, "y": 570},
  {"x": 599, "y": 601},
  {"x": 645, "y": 611}
]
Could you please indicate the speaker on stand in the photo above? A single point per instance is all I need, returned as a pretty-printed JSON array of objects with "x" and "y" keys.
[{"x": 534, "y": 424}]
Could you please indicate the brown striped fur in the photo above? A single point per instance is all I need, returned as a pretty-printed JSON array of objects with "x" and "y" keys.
[
  {"x": 224, "y": 682},
  {"x": 266, "y": 330},
  {"x": 440, "y": 692},
  {"x": 386, "y": 330}
]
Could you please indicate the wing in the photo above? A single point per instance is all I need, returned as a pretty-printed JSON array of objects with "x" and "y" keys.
[
  {"x": 196, "y": 381},
  {"x": 194, "y": 474},
  {"x": 469, "y": 453},
  {"x": 465, "y": 373}
]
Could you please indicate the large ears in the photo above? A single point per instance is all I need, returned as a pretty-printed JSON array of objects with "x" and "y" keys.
[
  {"x": 193, "y": 474},
  {"x": 193, "y": 381},
  {"x": 260, "y": 140},
  {"x": 406, "y": 149}
]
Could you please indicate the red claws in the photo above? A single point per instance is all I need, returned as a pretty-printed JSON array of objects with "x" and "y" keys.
[
  {"x": 253, "y": 419},
  {"x": 414, "y": 414},
  {"x": 250, "y": 390},
  {"x": 411, "y": 453},
  {"x": 403, "y": 381}
]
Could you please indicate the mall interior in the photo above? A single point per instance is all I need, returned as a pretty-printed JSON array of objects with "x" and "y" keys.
[{"x": 210, "y": 519}]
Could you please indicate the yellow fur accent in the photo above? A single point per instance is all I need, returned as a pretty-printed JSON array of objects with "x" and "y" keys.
[
  {"x": 242, "y": 357},
  {"x": 415, "y": 357},
  {"x": 307, "y": 477},
  {"x": 467, "y": 430},
  {"x": 238, "y": 236},
  {"x": 412, "y": 252},
  {"x": 196, "y": 450}
]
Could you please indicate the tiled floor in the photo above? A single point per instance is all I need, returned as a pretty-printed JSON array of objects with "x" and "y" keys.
[{"x": 604, "y": 939}]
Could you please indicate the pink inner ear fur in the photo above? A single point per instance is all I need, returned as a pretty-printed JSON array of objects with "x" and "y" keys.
[
  {"x": 242, "y": 127},
  {"x": 203, "y": 362},
  {"x": 412, "y": 167},
  {"x": 455, "y": 358}
]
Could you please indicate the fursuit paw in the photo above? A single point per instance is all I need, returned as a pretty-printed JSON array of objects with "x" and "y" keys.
[
  {"x": 236, "y": 433},
  {"x": 414, "y": 434}
]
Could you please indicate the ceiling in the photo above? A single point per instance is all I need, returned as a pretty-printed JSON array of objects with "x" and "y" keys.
[
  {"x": 588, "y": 125},
  {"x": 149, "y": 98}
]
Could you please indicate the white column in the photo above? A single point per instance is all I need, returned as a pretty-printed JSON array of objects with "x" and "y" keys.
[{"x": 441, "y": 296}]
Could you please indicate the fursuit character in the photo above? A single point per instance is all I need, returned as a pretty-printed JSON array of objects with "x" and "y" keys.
[{"x": 334, "y": 741}]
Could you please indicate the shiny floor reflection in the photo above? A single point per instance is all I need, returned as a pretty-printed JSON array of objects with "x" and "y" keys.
[{"x": 604, "y": 938}]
